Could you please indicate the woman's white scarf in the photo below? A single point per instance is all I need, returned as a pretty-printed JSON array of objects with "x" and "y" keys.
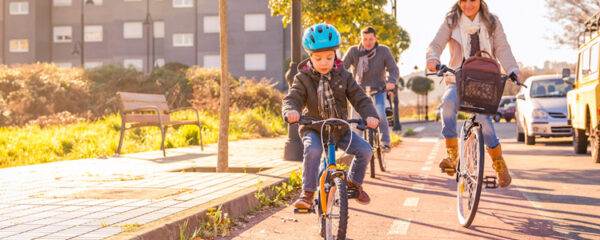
[{"x": 467, "y": 28}]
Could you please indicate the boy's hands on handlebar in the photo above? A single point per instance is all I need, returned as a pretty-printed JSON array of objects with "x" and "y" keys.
[
  {"x": 431, "y": 65},
  {"x": 372, "y": 122},
  {"x": 292, "y": 116}
]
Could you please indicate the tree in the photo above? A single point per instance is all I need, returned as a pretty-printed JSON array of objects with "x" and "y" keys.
[
  {"x": 349, "y": 17},
  {"x": 223, "y": 152},
  {"x": 420, "y": 85},
  {"x": 571, "y": 14}
]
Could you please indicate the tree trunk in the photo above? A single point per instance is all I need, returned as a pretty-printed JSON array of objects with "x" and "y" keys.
[{"x": 223, "y": 161}]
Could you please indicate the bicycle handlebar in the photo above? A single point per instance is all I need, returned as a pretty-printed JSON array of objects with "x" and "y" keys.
[
  {"x": 442, "y": 69},
  {"x": 308, "y": 120}
]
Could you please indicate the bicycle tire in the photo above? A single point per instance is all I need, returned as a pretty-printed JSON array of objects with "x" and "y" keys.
[
  {"x": 369, "y": 138},
  {"x": 380, "y": 155},
  {"x": 338, "y": 197},
  {"x": 471, "y": 155}
]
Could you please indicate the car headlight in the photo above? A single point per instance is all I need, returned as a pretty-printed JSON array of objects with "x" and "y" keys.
[{"x": 539, "y": 114}]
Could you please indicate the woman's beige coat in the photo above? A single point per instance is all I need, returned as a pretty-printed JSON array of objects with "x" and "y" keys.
[{"x": 500, "y": 48}]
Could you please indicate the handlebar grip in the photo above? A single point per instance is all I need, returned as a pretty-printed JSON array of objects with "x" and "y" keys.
[{"x": 438, "y": 67}]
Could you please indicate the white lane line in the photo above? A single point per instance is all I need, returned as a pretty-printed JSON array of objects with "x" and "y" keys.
[
  {"x": 431, "y": 158},
  {"x": 426, "y": 169},
  {"x": 428, "y": 139},
  {"x": 418, "y": 187},
  {"x": 418, "y": 129},
  {"x": 411, "y": 202},
  {"x": 423, "y": 176},
  {"x": 399, "y": 227},
  {"x": 428, "y": 162}
]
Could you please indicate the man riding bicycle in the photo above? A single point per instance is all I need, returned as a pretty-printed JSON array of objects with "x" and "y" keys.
[
  {"x": 370, "y": 61},
  {"x": 322, "y": 89}
]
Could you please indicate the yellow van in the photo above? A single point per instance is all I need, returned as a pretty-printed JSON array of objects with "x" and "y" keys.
[{"x": 583, "y": 101}]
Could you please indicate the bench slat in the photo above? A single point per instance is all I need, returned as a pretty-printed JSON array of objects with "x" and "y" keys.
[
  {"x": 142, "y": 97},
  {"x": 139, "y": 118},
  {"x": 126, "y": 106}
]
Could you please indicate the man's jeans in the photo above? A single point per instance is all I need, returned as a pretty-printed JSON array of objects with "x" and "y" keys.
[
  {"x": 449, "y": 110},
  {"x": 384, "y": 128},
  {"x": 313, "y": 148}
]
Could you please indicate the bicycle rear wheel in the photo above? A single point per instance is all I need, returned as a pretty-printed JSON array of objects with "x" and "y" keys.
[
  {"x": 371, "y": 139},
  {"x": 337, "y": 211},
  {"x": 379, "y": 154},
  {"x": 470, "y": 174}
]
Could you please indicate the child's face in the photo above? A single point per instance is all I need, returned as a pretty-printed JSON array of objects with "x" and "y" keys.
[{"x": 323, "y": 61}]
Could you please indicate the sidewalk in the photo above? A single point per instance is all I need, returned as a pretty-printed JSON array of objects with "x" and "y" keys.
[{"x": 99, "y": 198}]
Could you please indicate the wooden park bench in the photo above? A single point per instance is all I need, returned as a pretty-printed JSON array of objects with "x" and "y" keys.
[{"x": 143, "y": 110}]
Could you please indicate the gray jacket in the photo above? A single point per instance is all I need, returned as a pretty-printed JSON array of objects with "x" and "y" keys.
[
  {"x": 302, "y": 96},
  {"x": 375, "y": 76}
]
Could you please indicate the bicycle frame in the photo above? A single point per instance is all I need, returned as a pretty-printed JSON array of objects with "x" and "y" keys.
[{"x": 327, "y": 174}]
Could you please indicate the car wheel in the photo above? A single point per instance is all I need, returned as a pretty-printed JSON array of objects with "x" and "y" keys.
[
  {"x": 497, "y": 117},
  {"x": 507, "y": 119},
  {"x": 520, "y": 135},
  {"x": 529, "y": 140},
  {"x": 579, "y": 141},
  {"x": 594, "y": 143}
]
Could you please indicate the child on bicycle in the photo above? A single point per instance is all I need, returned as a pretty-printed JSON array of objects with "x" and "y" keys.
[
  {"x": 468, "y": 28},
  {"x": 322, "y": 89}
]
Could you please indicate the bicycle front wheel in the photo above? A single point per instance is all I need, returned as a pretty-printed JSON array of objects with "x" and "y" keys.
[
  {"x": 336, "y": 221},
  {"x": 470, "y": 174},
  {"x": 378, "y": 152},
  {"x": 371, "y": 140}
]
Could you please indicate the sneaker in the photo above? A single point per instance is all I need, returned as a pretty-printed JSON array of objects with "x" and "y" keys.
[
  {"x": 386, "y": 148},
  {"x": 363, "y": 197},
  {"x": 305, "y": 200}
]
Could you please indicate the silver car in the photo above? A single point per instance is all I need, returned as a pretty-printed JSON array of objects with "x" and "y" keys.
[{"x": 542, "y": 109}]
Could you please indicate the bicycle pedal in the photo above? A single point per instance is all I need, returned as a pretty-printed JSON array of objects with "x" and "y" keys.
[
  {"x": 304, "y": 210},
  {"x": 490, "y": 182},
  {"x": 353, "y": 192},
  {"x": 448, "y": 170}
]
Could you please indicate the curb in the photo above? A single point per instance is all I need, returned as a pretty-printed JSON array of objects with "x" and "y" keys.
[{"x": 235, "y": 205}]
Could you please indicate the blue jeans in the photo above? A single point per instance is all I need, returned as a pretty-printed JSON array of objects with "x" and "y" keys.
[
  {"x": 450, "y": 109},
  {"x": 384, "y": 128},
  {"x": 313, "y": 148}
]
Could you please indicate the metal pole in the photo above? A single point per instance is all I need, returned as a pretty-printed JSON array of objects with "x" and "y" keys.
[
  {"x": 82, "y": 34},
  {"x": 196, "y": 32},
  {"x": 396, "y": 101},
  {"x": 148, "y": 23},
  {"x": 223, "y": 161},
  {"x": 293, "y": 147}
]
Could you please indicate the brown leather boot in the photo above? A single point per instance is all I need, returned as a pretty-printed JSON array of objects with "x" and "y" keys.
[
  {"x": 305, "y": 200},
  {"x": 363, "y": 197},
  {"x": 499, "y": 165},
  {"x": 452, "y": 150}
]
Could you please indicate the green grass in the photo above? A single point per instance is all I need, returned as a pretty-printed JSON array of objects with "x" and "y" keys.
[{"x": 33, "y": 145}]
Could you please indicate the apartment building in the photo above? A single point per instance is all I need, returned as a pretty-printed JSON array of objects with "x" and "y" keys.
[{"x": 143, "y": 34}]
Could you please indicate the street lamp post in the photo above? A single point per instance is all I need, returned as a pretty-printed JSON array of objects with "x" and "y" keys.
[
  {"x": 150, "y": 36},
  {"x": 293, "y": 147},
  {"x": 82, "y": 40}
]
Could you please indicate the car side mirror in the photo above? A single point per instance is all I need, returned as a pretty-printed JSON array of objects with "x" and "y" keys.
[
  {"x": 521, "y": 96},
  {"x": 566, "y": 76}
]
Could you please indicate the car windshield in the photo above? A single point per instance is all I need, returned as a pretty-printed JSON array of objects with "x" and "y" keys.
[{"x": 549, "y": 88}]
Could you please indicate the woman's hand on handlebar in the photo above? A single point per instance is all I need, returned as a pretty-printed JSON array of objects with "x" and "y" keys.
[
  {"x": 390, "y": 86},
  {"x": 372, "y": 122},
  {"x": 292, "y": 116},
  {"x": 431, "y": 65}
]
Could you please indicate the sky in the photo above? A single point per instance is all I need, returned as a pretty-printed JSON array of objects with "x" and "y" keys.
[{"x": 528, "y": 30}]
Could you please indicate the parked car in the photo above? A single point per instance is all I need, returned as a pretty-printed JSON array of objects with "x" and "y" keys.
[
  {"x": 504, "y": 110},
  {"x": 542, "y": 109},
  {"x": 584, "y": 100}
]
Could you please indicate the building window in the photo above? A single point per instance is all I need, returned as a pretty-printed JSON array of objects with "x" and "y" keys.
[
  {"x": 19, "y": 8},
  {"x": 88, "y": 65},
  {"x": 159, "y": 62},
  {"x": 255, "y": 22},
  {"x": 64, "y": 64},
  {"x": 159, "y": 29},
  {"x": 255, "y": 62},
  {"x": 133, "y": 30},
  {"x": 63, "y": 34},
  {"x": 62, "y": 3},
  {"x": 183, "y": 40},
  {"x": 183, "y": 3},
  {"x": 93, "y": 33},
  {"x": 211, "y": 24},
  {"x": 212, "y": 61},
  {"x": 96, "y": 2},
  {"x": 136, "y": 63},
  {"x": 19, "y": 45}
]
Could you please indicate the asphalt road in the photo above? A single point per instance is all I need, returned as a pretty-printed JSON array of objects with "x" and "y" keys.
[{"x": 555, "y": 194}]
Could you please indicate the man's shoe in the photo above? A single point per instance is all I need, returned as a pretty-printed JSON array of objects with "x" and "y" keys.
[
  {"x": 363, "y": 197},
  {"x": 305, "y": 200},
  {"x": 386, "y": 148}
]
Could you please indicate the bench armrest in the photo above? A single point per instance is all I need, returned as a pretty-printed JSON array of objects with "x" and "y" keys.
[{"x": 187, "y": 108}]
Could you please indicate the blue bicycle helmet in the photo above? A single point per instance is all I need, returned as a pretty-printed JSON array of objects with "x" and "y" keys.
[{"x": 321, "y": 37}]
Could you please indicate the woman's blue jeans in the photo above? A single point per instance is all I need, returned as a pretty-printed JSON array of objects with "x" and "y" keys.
[
  {"x": 313, "y": 149},
  {"x": 449, "y": 111}
]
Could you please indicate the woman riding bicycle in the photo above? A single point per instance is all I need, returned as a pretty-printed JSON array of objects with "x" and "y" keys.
[
  {"x": 322, "y": 89},
  {"x": 468, "y": 28}
]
